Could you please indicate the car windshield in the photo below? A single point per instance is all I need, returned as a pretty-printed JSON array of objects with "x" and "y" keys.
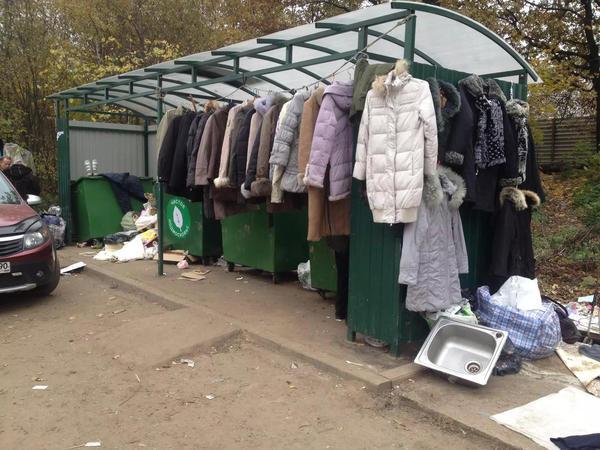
[{"x": 8, "y": 195}]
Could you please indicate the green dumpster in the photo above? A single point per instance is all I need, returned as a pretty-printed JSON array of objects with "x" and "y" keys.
[
  {"x": 375, "y": 299},
  {"x": 97, "y": 212},
  {"x": 323, "y": 271},
  {"x": 271, "y": 242},
  {"x": 186, "y": 228}
]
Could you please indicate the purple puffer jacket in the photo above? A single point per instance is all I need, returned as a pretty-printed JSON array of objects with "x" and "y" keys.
[{"x": 333, "y": 142}]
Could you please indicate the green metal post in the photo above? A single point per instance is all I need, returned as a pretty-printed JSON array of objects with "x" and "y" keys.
[
  {"x": 409, "y": 37},
  {"x": 64, "y": 165},
  {"x": 161, "y": 188},
  {"x": 146, "y": 165}
]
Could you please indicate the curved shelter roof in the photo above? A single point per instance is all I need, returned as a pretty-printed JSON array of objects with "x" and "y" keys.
[{"x": 308, "y": 54}]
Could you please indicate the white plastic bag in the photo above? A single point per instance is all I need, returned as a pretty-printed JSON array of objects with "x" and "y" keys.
[
  {"x": 519, "y": 292},
  {"x": 304, "y": 275}
]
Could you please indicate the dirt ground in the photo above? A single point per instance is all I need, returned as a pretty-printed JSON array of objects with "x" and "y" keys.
[{"x": 237, "y": 395}]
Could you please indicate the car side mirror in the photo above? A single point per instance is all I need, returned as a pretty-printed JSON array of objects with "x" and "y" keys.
[{"x": 33, "y": 200}]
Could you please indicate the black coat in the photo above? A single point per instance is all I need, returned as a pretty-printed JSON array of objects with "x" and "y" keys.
[
  {"x": 241, "y": 150},
  {"x": 23, "y": 179},
  {"x": 167, "y": 150},
  {"x": 512, "y": 248},
  {"x": 532, "y": 179},
  {"x": 251, "y": 171},
  {"x": 177, "y": 179},
  {"x": 482, "y": 184}
]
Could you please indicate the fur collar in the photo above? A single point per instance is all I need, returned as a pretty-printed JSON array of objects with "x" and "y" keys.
[
  {"x": 517, "y": 109},
  {"x": 521, "y": 199},
  {"x": 477, "y": 86},
  {"x": 446, "y": 182},
  {"x": 397, "y": 78},
  {"x": 443, "y": 115}
]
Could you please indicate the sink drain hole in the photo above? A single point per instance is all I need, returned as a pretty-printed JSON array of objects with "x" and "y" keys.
[{"x": 473, "y": 367}]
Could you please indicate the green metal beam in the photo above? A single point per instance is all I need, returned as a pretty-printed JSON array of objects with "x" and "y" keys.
[
  {"x": 470, "y": 23},
  {"x": 341, "y": 27},
  {"x": 410, "y": 30},
  {"x": 232, "y": 77},
  {"x": 298, "y": 40},
  {"x": 506, "y": 73},
  {"x": 400, "y": 43}
]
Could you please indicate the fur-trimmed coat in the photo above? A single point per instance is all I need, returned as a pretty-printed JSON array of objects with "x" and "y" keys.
[
  {"x": 397, "y": 145},
  {"x": 434, "y": 252},
  {"x": 512, "y": 250},
  {"x": 482, "y": 183},
  {"x": 444, "y": 111}
]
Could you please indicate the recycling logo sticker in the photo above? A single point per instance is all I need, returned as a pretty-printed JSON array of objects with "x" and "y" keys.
[{"x": 178, "y": 218}]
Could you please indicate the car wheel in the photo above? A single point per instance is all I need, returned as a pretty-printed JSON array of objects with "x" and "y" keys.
[{"x": 47, "y": 288}]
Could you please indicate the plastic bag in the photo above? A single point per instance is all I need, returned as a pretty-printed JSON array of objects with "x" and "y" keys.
[
  {"x": 519, "y": 292},
  {"x": 128, "y": 221},
  {"x": 120, "y": 238},
  {"x": 461, "y": 311},
  {"x": 534, "y": 333},
  {"x": 132, "y": 250},
  {"x": 145, "y": 220},
  {"x": 304, "y": 275},
  {"x": 57, "y": 227}
]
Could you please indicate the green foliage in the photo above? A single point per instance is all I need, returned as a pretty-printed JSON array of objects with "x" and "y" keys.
[{"x": 587, "y": 197}]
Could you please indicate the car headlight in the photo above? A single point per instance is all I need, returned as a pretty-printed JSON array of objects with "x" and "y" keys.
[{"x": 36, "y": 235}]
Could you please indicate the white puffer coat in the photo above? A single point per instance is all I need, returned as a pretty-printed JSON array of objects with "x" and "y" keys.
[{"x": 397, "y": 145}]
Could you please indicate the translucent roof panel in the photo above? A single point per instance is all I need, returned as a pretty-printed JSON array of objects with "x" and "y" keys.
[{"x": 308, "y": 54}]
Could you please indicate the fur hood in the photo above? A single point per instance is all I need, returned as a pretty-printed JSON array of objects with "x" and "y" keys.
[
  {"x": 522, "y": 199},
  {"x": 397, "y": 78},
  {"x": 263, "y": 104},
  {"x": 517, "y": 109},
  {"x": 477, "y": 86},
  {"x": 447, "y": 182},
  {"x": 445, "y": 113}
]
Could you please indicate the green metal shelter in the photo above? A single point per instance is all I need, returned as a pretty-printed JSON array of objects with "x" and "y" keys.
[{"x": 440, "y": 42}]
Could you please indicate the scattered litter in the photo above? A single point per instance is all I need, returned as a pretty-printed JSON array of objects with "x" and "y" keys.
[
  {"x": 112, "y": 298},
  {"x": 354, "y": 363},
  {"x": 195, "y": 275},
  {"x": 586, "y": 299},
  {"x": 137, "y": 378},
  {"x": 87, "y": 444},
  {"x": 73, "y": 267},
  {"x": 39, "y": 387},
  {"x": 237, "y": 291},
  {"x": 294, "y": 365},
  {"x": 209, "y": 396},
  {"x": 410, "y": 380},
  {"x": 100, "y": 315},
  {"x": 37, "y": 379},
  {"x": 400, "y": 423},
  {"x": 363, "y": 388},
  {"x": 72, "y": 318},
  {"x": 587, "y": 370},
  {"x": 119, "y": 311},
  {"x": 116, "y": 357},
  {"x": 463, "y": 432},
  {"x": 189, "y": 362},
  {"x": 290, "y": 385},
  {"x": 339, "y": 385},
  {"x": 183, "y": 264},
  {"x": 239, "y": 278},
  {"x": 218, "y": 380}
]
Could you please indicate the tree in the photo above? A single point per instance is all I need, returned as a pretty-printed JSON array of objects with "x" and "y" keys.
[{"x": 560, "y": 38}]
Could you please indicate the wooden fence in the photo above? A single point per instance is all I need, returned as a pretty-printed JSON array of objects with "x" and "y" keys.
[{"x": 561, "y": 142}]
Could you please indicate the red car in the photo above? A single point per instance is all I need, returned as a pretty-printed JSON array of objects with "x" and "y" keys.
[{"x": 28, "y": 260}]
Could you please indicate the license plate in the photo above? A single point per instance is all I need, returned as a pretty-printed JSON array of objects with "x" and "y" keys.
[{"x": 4, "y": 267}]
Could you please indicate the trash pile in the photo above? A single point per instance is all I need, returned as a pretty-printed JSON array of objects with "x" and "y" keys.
[{"x": 138, "y": 240}]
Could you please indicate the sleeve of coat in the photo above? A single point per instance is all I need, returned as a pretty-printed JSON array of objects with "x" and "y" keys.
[
  {"x": 504, "y": 234},
  {"x": 284, "y": 137},
  {"x": 460, "y": 246},
  {"x": 460, "y": 140},
  {"x": 203, "y": 156},
  {"x": 360, "y": 166},
  {"x": 414, "y": 234},
  {"x": 510, "y": 170},
  {"x": 322, "y": 144},
  {"x": 427, "y": 115}
]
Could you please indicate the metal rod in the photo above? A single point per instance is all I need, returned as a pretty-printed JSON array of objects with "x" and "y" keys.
[
  {"x": 409, "y": 37},
  {"x": 146, "y": 158},
  {"x": 160, "y": 191}
]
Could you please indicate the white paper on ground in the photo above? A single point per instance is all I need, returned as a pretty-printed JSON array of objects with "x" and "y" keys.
[
  {"x": 39, "y": 387},
  {"x": 92, "y": 444},
  {"x": 72, "y": 267},
  {"x": 568, "y": 412}
]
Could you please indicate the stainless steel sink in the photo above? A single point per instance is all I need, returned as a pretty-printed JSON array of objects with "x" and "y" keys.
[{"x": 462, "y": 350}]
